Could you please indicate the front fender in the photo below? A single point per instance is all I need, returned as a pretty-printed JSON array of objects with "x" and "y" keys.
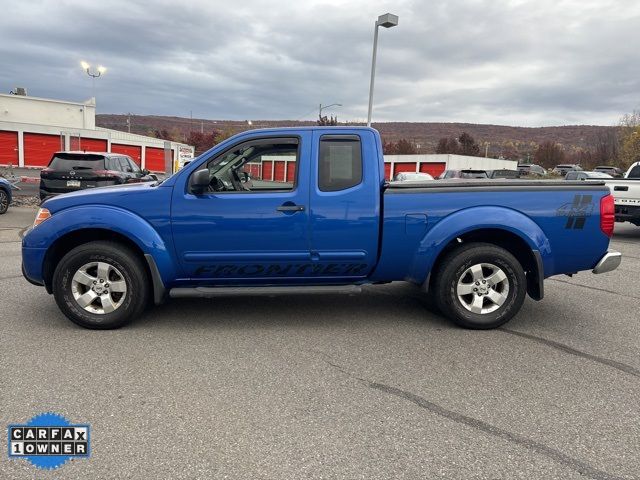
[
  {"x": 476, "y": 218},
  {"x": 39, "y": 239}
]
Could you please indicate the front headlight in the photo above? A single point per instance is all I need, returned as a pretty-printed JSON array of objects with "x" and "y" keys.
[{"x": 42, "y": 215}]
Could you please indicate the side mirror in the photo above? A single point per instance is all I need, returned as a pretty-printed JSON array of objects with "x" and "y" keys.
[
  {"x": 199, "y": 181},
  {"x": 145, "y": 172}
]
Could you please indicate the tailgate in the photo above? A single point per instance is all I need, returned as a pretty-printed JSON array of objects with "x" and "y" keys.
[
  {"x": 625, "y": 192},
  {"x": 73, "y": 179}
]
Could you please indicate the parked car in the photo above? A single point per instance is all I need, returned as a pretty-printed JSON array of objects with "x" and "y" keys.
[
  {"x": 5, "y": 195},
  {"x": 475, "y": 248},
  {"x": 72, "y": 171},
  {"x": 564, "y": 169},
  {"x": 582, "y": 175},
  {"x": 532, "y": 170},
  {"x": 615, "y": 172},
  {"x": 412, "y": 177},
  {"x": 465, "y": 173},
  {"x": 626, "y": 192},
  {"x": 503, "y": 173}
]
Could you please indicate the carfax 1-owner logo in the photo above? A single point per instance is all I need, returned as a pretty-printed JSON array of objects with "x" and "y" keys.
[{"x": 49, "y": 440}]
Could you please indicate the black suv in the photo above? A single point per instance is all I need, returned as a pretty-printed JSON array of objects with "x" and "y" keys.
[{"x": 71, "y": 171}]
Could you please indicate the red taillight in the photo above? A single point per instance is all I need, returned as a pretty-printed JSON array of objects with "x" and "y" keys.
[
  {"x": 607, "y": 215},
  {"x": 45, "y": 172}
]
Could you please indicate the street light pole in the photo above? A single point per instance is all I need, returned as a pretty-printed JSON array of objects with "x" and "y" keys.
[
  {"x": 387, "y": 20},
  {"x": 94, "y": 75},
  {"x": 322, "y": 107}
]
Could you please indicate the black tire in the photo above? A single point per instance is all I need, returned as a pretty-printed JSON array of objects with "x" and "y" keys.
[
  {"x": 456, "y": 266},
  {"x": 127, "y": 265},
  {"x": 4, "y": 201}
]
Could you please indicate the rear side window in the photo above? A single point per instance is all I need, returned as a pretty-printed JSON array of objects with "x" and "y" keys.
[
  {"x": 635, "y": 172},
  {"x": 63, "y": 162},
  {"x": 339, "y": 162}
]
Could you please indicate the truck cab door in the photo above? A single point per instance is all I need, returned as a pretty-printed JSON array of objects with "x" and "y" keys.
[
  {"x": 345, "y": 204},
  {"x": 251, "y": 225}
]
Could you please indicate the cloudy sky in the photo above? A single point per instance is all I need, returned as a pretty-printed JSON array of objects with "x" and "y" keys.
[{"x": 518, "y": 62}]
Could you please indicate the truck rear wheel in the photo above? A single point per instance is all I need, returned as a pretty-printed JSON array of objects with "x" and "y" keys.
[
  {"x": 480, "y": 286},
  {"x": 101, "y": 285}
]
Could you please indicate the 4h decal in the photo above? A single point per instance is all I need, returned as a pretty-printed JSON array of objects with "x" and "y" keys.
[{"x": 576, "y": 211}]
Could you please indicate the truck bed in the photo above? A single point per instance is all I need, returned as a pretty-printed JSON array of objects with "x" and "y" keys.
[{"x": 560, "y": 218}]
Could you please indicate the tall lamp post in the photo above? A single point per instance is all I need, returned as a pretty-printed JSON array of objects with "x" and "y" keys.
[
  {"x": 93, "y": 74},
  {"x": 387, "y": 20},
  {"x": 322, "y": 107}
]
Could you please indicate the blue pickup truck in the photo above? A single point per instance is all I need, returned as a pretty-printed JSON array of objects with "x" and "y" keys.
[{"x": 309, "y": 210}]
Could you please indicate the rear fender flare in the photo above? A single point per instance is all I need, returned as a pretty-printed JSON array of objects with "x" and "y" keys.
[{"x": 468, "y": 220}]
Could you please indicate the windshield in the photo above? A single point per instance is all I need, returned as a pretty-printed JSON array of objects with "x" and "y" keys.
[
  {"x": 76, "y": 162},
  {"x": 634, "y": 172}
]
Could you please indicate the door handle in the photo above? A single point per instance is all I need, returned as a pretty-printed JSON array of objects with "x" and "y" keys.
[
  {"x": 290, "y": 208},
  {"x": 621, "y": 189}
]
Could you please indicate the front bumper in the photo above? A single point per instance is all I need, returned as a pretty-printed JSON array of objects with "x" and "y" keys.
[
  {"x": 32, "y": 261},
  {"x": 33, "y": 282},
  {"x": 610, "y": 261}
]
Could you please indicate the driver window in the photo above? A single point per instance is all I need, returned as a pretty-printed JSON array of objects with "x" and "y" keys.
[
  {"x": 124, "y": 164},
  {"x": 260, "y": 165}
]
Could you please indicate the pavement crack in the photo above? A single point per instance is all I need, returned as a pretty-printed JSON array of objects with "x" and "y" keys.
[
  {"x": 556, "y": 455},
  {"x": 623, "y": 367},
  {"x": 329, "y": 361},
  {"x": 594, "y": 288}
]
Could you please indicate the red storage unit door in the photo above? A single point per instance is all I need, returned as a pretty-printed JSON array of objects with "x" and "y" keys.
[
  {"x": 291, "y": 172},
  {"x": 433, "y": 169},
  {"x": 387, "y": 171},
  {"x": 267, "y": 168},
  {"x": 133, "y": 151},
  {"x": 9, "y": 148},
  {"x": 39, "y": 148},
  {"x": 279, "y": 175},
  {"x": 404, "y": 167},
  {"x": 154, "y": 159},
  {"x": 87, "y": 144},
  {"x": 253, "y": 169}
]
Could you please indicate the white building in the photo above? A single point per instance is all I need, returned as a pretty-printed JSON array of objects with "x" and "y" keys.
[
  {"x": 435, "y": 164},
  {"x": 32, "y": 129}
]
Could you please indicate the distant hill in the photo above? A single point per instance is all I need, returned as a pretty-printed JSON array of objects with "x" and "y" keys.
[{"x": 503, "y": 140}]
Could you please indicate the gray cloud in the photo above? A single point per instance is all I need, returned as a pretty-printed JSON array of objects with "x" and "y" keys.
[{"x": 520, "y": 62}]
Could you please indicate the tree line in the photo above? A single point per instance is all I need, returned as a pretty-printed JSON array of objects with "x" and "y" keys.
[{"x": 618, "y": 146}]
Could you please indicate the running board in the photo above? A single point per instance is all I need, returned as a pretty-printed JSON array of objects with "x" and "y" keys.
[{"x": 209, "y": 292}]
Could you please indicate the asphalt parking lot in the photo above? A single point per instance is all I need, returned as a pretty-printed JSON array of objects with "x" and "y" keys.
[{"x": 365, "y": 386}]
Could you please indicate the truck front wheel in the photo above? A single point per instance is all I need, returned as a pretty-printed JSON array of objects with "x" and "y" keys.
[
  {"x": 101, "y": 285},
  {"x": 480, "y": 286}
]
